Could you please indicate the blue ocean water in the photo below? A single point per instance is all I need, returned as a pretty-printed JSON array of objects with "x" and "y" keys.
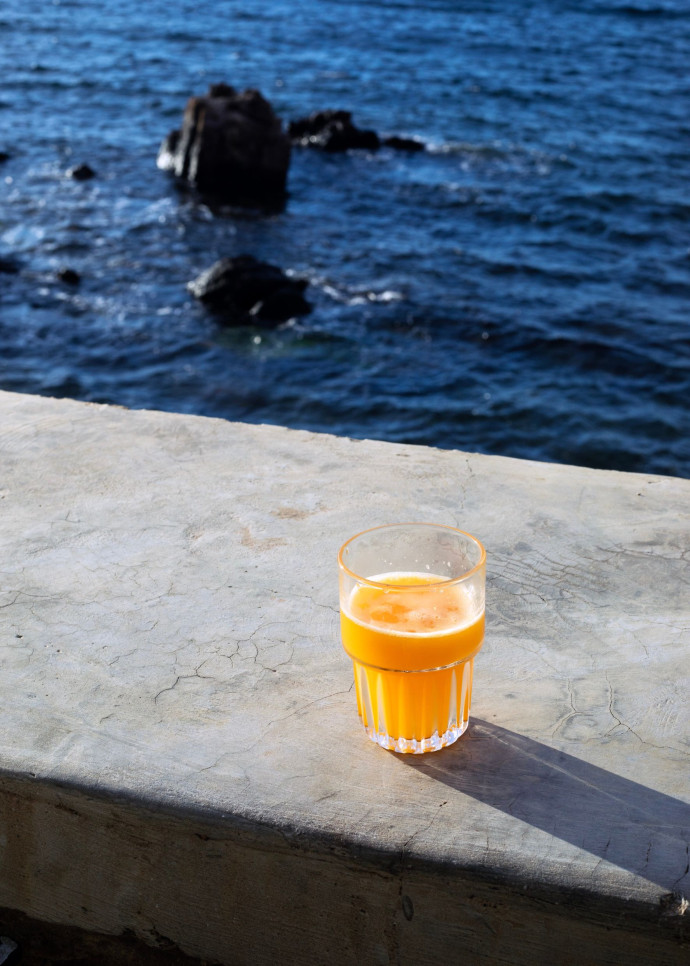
[{"x": 521, "y": 287}]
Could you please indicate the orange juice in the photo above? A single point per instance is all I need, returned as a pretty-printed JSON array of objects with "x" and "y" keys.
[{"x": 412, "y": 638}]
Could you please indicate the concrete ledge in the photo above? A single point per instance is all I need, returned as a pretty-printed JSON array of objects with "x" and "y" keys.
[{"x": 180, "y": 753}]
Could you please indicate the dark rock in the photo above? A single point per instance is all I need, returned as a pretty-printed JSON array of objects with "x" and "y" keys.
[
  {"x": 69, "y": 276},
  {"x": 310, "y": 126},
  {"x": 332, "y": 131},
  {"x": 4, "y": 156},
  {"x": 285, "y": 303},
  {"x": 81, "y": 172},
  {"x": 242, "y": 289},
  {"x": 9, "y": 265},
  {"x": 231, "y": 146},
  {"x": 403, "y": 144}
]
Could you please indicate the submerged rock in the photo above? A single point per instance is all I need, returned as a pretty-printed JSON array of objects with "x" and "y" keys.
[
  {"x": 404, "y": 144},
  {"x": 241, "y": 290},
  {"x": 332, "y": 131},
  {"x": 231, "y": 145},
  {"x": 9, "y": 265},
  {"x": 69, "y": 276},
  {"x": 81, "y": 172}
]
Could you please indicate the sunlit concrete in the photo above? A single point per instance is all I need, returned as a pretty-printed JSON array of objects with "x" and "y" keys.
[{"x": 180, "y": 753}]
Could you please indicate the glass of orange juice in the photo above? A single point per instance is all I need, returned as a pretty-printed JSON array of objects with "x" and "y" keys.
[{"x": 412, "y": 620}]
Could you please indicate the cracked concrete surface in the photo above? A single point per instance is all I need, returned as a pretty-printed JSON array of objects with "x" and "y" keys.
[{"x": 173, "y": 681}]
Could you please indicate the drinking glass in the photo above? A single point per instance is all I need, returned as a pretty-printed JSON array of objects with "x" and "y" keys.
[{"x": 412, "y": 621}]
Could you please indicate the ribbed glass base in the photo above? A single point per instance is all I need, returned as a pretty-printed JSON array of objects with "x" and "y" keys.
[
  {"x": 414, "y": 746},
  {"x": 413, "y": 712}
]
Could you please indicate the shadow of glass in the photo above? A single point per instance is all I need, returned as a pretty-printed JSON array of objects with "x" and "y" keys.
[{"x": 636, "y": 828}]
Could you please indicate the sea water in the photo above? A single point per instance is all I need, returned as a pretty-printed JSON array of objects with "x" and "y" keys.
[{"x": 521, "y": 287}]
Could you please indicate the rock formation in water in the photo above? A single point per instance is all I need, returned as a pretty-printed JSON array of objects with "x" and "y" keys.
[
  {"x": 231, "y": 146},
  {"x": 243, "y": 290},
  {"x": 69, "y": 276},
  {"x": 9, "y": 265},
  {"x": 81, "y": 172},
  {"x": 403, "y": 144},
  {"x": 334, "y": 131}
]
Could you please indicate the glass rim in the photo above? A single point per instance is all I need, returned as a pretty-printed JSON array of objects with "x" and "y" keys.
[{"x": 390, "y": 526}]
